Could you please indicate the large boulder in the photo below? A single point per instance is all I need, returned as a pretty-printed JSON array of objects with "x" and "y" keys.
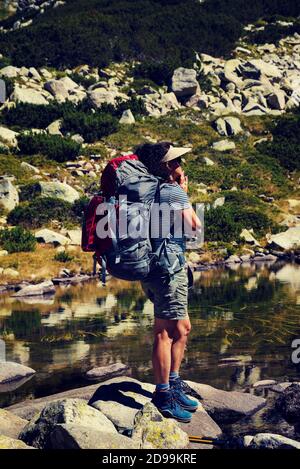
[
  {"x": 59, "y": 190},
  {"x": 10, "y": 424},
  {"x": 276, "y": 100},
  {"x": 71, "y": 436},
  {"x": 75, "y": 237},
  {"x": 100, "y": 96},
  {"x": 227, "y": 406},
  {"x": 65, "y": 89},
  {"x": 28, "y": 95},
  {"x": 13, "y": 375},
  {"x": 273, "y": 441},
  {"x": 8, "y": 136},
  {"x": 153, "y": 431},
  {"x": 9, "y": 196},
  {"x": 120, "y": 399},
  {"x": 127, "y": 117},
  {"x": 228, "y": 126},
  {"x": 12, "y": 443},
  {"x": 184, "y": 82},
  {"x": 231, "y": 72},
  {"x": 42, "y": 288},
  {"x": 51, "y": 237},
  {"x": 9, "y": 71},
  {"x": 287, "y": 239},
  {"x": 266, "y": 68},
  {"x": 68, "y": 411}
]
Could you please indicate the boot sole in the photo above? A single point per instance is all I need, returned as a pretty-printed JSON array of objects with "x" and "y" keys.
[
  {"x": 189, "y": 408},
  {"x": 169, "y": 415}
]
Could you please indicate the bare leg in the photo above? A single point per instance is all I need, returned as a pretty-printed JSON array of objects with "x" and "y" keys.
[
  {"x": 180, "y": 335},
  {"x": 161, "y": 356}
]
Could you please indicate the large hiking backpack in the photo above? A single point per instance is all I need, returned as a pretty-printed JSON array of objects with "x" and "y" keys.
[{"x": 122, "y": 210}]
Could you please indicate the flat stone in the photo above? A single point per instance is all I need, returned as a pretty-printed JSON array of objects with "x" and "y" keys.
[
  {"x": 13, "y": 373},
  {"x": 42, "y": 288},
  {"x": 201, "y": 424},
  {"x": 287, "y": 239},
  {"x": 51, "y": 237},
  {"x": 273, "y": 441},
  {"x": 59, "y": 190},
  {"x": 10, "y": 424},
  {"x": 103, "y": 373},
  {"x": 28, "y": 95},
  {"x": 223, "y": 145},
  {"x": 72, "y": 436},
  {"x": 265, "y": 383},
  {"x": 227, "y": 406}
]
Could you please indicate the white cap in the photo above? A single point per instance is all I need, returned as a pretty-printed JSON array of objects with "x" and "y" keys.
[{"x": 175, "y": 152}]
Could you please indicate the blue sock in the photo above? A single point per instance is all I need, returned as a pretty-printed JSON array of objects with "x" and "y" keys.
[
  {"x": 174, "y": 375},
  {"x": 162, "y": 387}
]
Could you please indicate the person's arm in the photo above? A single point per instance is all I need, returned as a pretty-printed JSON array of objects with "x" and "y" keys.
[{"x": 190, "y": 218}]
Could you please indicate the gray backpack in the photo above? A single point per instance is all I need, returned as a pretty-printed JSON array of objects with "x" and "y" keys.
[{"x": 129, "y": 192}]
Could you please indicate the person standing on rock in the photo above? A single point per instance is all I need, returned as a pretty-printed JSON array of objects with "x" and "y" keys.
[{"x": 170, "y": 294}]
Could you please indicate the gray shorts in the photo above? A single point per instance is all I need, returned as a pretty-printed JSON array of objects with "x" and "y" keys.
[{"x": 170, "y": 297}]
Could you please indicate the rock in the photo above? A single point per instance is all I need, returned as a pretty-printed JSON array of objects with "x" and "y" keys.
[
  {"x": 288, "y": 404},
  {"x": 230, "y": 72},
  {"x": 253, "y": 108},
  {"x": 63, "y": 89},
  {"x": 8, "y": 136},
  {"x": 276, "y": 100},
  {"x": 169, "y": 101},
  {"x": 273, "y": 441},
  {"x": 153, "y": 431},
  {"x": 54, "y": 127},
  {"x": 30, "y": 167},
  {"x": 68, "y": 411},
  {"x": 42, "y": 288},
  {"x": 101, "y": 95},
  {"x": 208, "y": 161},
  {"x": 201, "y": 425},
  {"x": 70, "y": 436},
  {"x": 3, "y": 252},
  {"x": 219, "y": 202},
  {"x": 184, "y": 82},
  {"x": 33, "y": 73},
  {"x": 75, "y": 237},
  {"x": 127, "y": 117},
  {"x": 9, "y": 272},
  {"x": 233, "y": 259},
  {"x": 228, "y": 126},
  {"x": 247, "y": 236},
  {"x": 265, "y": 383},
  {"x": 12, "y": 443},
  {"x": 10, "y": 424},
  {"x": 194, "y": 257},
  {"x": 227, "y": 406},
  {"x": 9, "y": 197},
  {"x": 223, "y": 145},
  {"x": 14, "y": 374},
  {"x": 28, "y": 95},
  {"x": 59, "y": 190},
  {"x": 286, "y": 240},
  {"x": 103, "y": 373},
  {"x": 266, "y": 68},
  {"x": 51, "y": 237},
  {"x": 9, "y": 71},
  {"x": 120, "y": 399}
]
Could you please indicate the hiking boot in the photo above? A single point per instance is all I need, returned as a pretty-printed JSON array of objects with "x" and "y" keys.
[
  {"x": 183, "y": 400},
  {"x": 169, "y": 407},
  {"x": 185, "y": 388}
]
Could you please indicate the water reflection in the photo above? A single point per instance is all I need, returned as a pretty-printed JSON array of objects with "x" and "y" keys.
[{"x": 247, "y": 316}]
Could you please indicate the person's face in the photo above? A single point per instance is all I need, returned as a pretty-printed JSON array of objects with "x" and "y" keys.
[{"x": 175, "y": 169}]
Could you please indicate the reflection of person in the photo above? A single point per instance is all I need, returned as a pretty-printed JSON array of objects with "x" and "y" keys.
[{"x": 170, "y": 295}]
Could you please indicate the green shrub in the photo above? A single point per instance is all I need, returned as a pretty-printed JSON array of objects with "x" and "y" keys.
[
  {"x": 92, "y": 126},
  {"x": 29, "y": 191},
  {"x": 159, "y": 72},
  {"x": 53, "y": 146},
  {"x": 63, "y": 257},
  {"x": 17, "y": 239},
  {"x": 220, "y": 225},
  {"x": 39, "y": 116},
  {"x": 86, "y": 82},
  {"x": 41, "y": 211}
]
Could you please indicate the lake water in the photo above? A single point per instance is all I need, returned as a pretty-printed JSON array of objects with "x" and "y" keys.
[{"x": 251, "y": 311}]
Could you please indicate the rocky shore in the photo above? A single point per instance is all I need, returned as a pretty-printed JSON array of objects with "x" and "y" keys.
[{"x": 118, "y": 413}]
